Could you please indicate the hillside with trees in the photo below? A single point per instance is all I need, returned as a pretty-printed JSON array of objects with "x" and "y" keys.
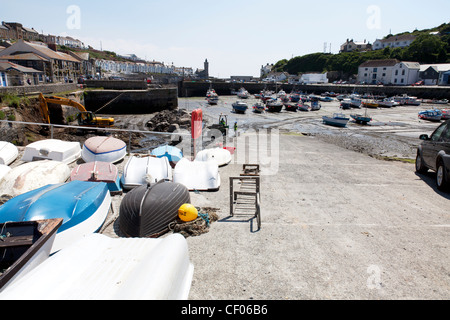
[{"x": 430, "y": 46}]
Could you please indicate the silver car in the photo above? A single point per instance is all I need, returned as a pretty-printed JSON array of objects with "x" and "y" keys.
[{"x": 434, "y": 154}]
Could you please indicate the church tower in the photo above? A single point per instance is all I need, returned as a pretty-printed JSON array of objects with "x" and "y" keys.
[{"x": 206, "y": 68}]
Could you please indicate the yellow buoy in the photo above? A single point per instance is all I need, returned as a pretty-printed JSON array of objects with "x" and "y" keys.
[{"x": 187, "y": 212}]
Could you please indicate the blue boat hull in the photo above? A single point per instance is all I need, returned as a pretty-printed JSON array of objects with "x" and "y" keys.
[
  {"x": 82, "y": 205},
  {"x": 172, "y": 153}
]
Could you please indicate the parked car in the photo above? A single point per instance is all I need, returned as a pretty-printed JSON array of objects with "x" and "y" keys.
[
  {"x": 419, "y": 83},
  {"x": 434, "y": 154}
]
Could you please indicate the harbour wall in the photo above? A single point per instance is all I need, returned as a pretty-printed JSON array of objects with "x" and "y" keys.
[
  {"x": 131, "y": 101},
  {"x": 198, "y": 89}
]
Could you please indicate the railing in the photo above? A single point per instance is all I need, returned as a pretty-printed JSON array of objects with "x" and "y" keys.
[{"x": 130, "y": 132}]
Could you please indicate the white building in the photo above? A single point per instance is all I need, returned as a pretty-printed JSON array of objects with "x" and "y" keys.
[
  {"x": 376, "y": 71},
  {"x": 265, "y": 70},
  {"x": 432, "y": 74},
  {"x": 314, "y": 78},
  {"x": 401, "y": 41},
  {"x": 351, "y": 45},
  {"x": 405, "y": 73}
]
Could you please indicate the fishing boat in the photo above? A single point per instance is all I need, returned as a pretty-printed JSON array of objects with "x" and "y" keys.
[
  {"x": 83, "y": 206},
  {"x": 445, "y": 114},
  {"x": 173, "y": 154},
  {"x": 431, "y": 115},
  {"x": 370, "y": 104},
  {"x": 291, "y": 106},
  {"x": 274, "y": 105},
  {"x": 104, "y": 149},
  {"x": 98, "y": 171},
  {"x": 355, "y": 100},
  {"x": 442, "y": 101},
  {"x": 197, "y": 175},
  {"x": 303, "y": 107},
  {"x": 242, "y": 93},
  {"x": 387, "y": 103},
  {"x": 221, "y": 156},
  {"x": 240, "y": 107},
  {"x": 141, "y": 170},
  {"x": 412, "y": 101},
  {"x": 33, "y": 175},
  {"x": 359, "y": 118},
  {"x": 8, "y": 152},
  {"x": 99, "y": 267},
  {"x": 258, "y": 107},
  {"x": 23, "y": 246},
  {"x": 147, "y": 211},
  {"x": 52, "y": 149},
  {"x": 213, "y": 100},
  {"x": 346, "y": 104},
  {"x": 338, "y": 120},
  {"x": 294, "y": 97},
  {"x": 315, "y": 106},
  {"x": 326, "y": 99}
]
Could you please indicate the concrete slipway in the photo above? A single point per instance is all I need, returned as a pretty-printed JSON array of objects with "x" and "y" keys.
[{"x": 336, "y": 224}]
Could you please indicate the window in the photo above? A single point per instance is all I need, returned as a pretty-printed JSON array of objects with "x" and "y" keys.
[
  {"x": 445, "y": 137},
  {"x": 395, "y": 81},
  {"x": 374, "y": 76},
  {"x": 437, "y": 134},
  {"x": 396, "y": 72},
  {"x": 403, "y": 72},
  {"x": 375, "y": 69},
  {"x": 403, "y": 80},
  {"x": 384, "y": 74}
]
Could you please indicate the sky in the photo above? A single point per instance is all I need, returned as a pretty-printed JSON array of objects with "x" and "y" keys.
[{"x": 236, "y": 36}]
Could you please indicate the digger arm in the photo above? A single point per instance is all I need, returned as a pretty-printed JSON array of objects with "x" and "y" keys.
[
  {"x": 44, "y": 108},
  {"x": 63, "y": 101}
]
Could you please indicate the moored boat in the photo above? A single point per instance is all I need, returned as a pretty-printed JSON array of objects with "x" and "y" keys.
[
  {"x": 52, "y": 149},
  {"x": 431, "y": 115},
  {"x": 290, "y": 106},
  {"x": 147, "y": 211},
  {"x": 144, "y": 169},
  {"x": 104, "y": 149},
  {"x": 359, "y": 118},
  {"x": 23, "y": 246},
  {"x": 8, "y": 152},
  {"x": 83, "y": 206},
  {"x": 346, "y": 103},
  {"x": 303, "y": 107},
  {"x": 240, "y": 107},
  {"x": 242, "y": 93},
  {"x": 337, "y": 120},
  {"x": 98, "y": 171},
  {"x": 315, "y": 106},
  {"x": 274, "y": 105},
  {"x": 445, "y": 114},
  {"x": 258, "y": 107}
]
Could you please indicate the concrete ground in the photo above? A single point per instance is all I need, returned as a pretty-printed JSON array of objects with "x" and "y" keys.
[{"x": 336, "y": 224}]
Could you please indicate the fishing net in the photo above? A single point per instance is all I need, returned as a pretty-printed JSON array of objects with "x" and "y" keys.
[{"x": 199, "y": 226}]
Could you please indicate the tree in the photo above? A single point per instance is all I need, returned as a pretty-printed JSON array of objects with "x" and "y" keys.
[{"x": 427, "y": 48}]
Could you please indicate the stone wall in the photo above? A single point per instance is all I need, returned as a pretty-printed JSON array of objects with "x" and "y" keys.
[
  {"x": 44, "y": 88},
  {"x": 117, "y": 84},
  {"x": 131, "y": 101},
  {"x": 198, "y": 89}
]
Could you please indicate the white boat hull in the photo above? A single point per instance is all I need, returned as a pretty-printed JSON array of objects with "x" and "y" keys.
[
  {"x": 219, "y": 155},
  {"x": 197, "y": 175},
  {"x": 8, "y": 153},
  {"x": 143, "y": 170},
  {"x": 102, "y": 268},
  {"x": 52, "y": 149}
]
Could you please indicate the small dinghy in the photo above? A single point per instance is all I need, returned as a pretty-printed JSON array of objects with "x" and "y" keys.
[
  {"x": 23, "y": 246},
  {"x": 145, "y": 169},
  {"x": 221, "y": 156},
  {"x": 103, "y": 268},
  {"x": 8, "y": 152},
  {"x": 52, "y": 149},
  {"x": 33, "y": 175},
  {"x": 83, "y": 206},
  {"x": 147, "y": 211},
  {"x": 104, "y": 149},
  {"x": 98, "y": 172},
  {"x": 4, "y": 169},
  {"x": 197, "y": 175},
  {"x": 172, "y": 153},
  {"x": 338, "y": 120}
]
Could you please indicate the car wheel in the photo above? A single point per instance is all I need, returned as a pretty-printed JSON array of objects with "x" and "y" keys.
[
  {"x": 441, "y": 179},
  {"x": 420, "y": 166}
]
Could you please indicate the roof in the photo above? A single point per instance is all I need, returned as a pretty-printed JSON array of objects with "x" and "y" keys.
[
  {"x": 24, "y": 56},
  {"x": 439, "y": 67},
  {"x": 379, "y": 63},
  {"x": 404, "y": 37},
  {"x": 21, "y": 47},
  {"x": 6, "y": 66},
  {"x": 411, "y": 65}
]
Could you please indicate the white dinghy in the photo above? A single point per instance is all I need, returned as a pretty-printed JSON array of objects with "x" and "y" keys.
[
  {"x": 103, "y": 149},
  {"x": 33, "y": 175},
  {"x": 197, "y": 175},
  {"x": 8, "y": 152},
  {"x": 221, "y": 156},
  {"x": 52, "y": 149},
  {"x": 144, "y": 169},
  {"x": 103, "y": 268}
]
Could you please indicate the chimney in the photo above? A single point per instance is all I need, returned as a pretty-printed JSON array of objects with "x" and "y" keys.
[{"x": 52, "y": 46}]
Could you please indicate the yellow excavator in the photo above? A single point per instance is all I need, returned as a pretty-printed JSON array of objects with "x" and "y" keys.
[{"x": 85, "y": 118}]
